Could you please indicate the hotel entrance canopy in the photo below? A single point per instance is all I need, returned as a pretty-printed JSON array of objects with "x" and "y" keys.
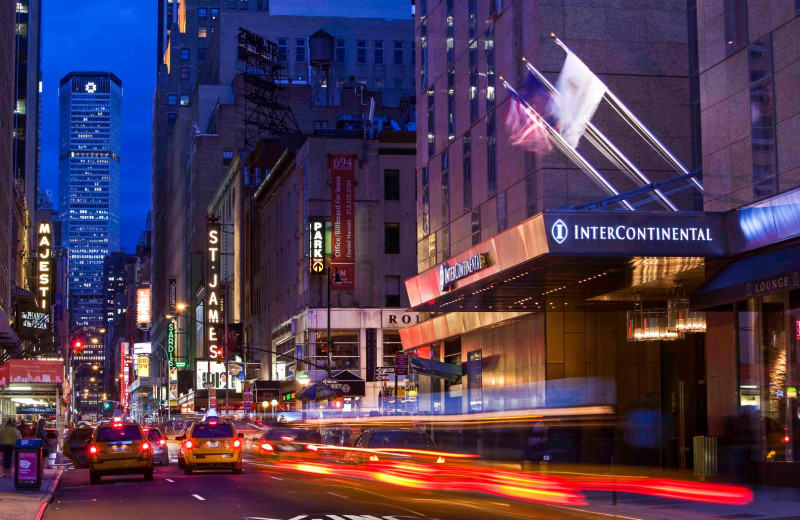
[{"x": 576, "y": 256}]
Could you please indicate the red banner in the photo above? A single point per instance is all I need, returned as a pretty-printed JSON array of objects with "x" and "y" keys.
[
  {"x": 343, "y": 225},
  {"x": 31, "y": 371}
]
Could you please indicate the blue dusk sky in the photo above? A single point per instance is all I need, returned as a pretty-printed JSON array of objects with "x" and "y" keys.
[{"x": 105, "y": 35}]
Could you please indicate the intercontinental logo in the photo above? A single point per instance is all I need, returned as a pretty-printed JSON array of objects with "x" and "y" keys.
[{"x": 559, "y": 231}]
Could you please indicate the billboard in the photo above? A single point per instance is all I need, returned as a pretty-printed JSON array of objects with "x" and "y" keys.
[
  {"x": 214, "y": 372},
  {"x": 143, "y": 306},
  {"x": 343, "y": 225}
]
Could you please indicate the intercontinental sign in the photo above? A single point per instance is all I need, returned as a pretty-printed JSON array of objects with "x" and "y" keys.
[
  {"x": 561, "y": 233},
  {"x": 449, "y": 274}
]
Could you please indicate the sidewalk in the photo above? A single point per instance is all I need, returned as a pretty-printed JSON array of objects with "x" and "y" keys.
[{"x": 27, "y": 505}]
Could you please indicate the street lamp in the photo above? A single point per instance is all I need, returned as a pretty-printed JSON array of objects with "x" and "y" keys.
[{"x": 274, "y": 403}]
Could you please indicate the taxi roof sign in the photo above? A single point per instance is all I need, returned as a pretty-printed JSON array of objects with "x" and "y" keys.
[{"x": 211, "y": 415}]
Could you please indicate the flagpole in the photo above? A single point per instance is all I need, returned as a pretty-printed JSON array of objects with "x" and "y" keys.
[
  {"x": 564, "y": 146},
  {"x": 645, "y": 132},
  {"x": 595, "y": 133}
]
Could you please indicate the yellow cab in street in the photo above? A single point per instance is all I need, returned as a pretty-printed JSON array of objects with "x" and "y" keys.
[
  {"x": 210, "y": 444},
  {"x": 118, "y": 447}
]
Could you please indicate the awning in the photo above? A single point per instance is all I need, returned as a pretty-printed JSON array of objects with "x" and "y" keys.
[
  {"x": 8, "y": 336},
  {"x": 429, "y": 367},
  {"x": 31, "y": 371},
  {"x": 767, "y": 273}
]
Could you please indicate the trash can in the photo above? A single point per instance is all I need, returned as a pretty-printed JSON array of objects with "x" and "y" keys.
[
  {"x": 28, "y": 464},
  {"x": 705, "y": 456}
]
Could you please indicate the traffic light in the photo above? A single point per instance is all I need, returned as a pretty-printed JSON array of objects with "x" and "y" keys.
[
  {"x": 77, "y": 347},
  {"x": 107, "y": 406}
]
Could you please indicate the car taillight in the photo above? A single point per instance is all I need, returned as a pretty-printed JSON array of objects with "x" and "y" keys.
[
  {"x": 237, "y": 443},
  {"x": 440, "y": 460},
  {"x": 373, "y": 458},
  {"x": 93, "y": 450},
  {"x": 161, "y": 442},
  {"x": 312, "y": 447},
  {"x": 188, "y": 445},
  {"x": 266, "y": 446},
  {"x": 145, "y": 446}
]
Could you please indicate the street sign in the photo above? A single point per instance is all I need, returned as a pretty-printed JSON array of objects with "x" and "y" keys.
[
  {"x": 384, "y": 370},
  {"x": 401, "y": 364},
  {"x": 381, "y": 378},
  {"x": 329, "y": 381},
  {"x": 212, "y": 398}
]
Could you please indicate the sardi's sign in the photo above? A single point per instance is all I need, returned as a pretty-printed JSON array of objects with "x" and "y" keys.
[
  {"x": 636, "y": 234},
  {"x": 449, "y": 274}
]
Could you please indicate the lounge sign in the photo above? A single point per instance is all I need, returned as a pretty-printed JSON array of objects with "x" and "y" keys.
[
  {"x": 449, "y": 274},
  {"x": 636, "y": 234}
]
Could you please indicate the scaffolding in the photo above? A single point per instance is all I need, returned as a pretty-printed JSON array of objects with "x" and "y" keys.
[{"x": 264, "y": 103}]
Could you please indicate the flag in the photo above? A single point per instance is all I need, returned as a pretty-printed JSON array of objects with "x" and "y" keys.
[
  {"x": 580, "y": 92},
  {"x": 528, "y": 109}
]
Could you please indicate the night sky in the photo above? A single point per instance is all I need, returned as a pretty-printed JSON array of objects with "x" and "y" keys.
[{"x": 105, "y": 35}]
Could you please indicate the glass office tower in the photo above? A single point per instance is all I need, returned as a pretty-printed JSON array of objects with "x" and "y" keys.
[{"x": 89, "y": 185}]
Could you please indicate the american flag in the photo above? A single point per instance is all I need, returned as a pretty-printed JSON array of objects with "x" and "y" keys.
[{"x": 525, "y": 118}]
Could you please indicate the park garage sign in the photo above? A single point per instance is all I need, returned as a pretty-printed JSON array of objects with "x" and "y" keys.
[
  {"x": 656, "y": 234},
  {"x": 448, "y": 274}
]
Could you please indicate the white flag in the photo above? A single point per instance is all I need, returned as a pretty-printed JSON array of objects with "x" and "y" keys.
[{"x": 580, "y": 94}]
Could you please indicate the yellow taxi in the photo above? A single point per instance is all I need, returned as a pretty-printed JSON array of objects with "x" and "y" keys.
[
  {"x": 210, "y": 444},
  {"x": 118, "y": 447}
]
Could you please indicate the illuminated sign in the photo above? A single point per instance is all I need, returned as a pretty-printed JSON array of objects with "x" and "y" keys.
[
  {"x": 214, "y": 372},
  {"x": 449, "y": 274},
  {"x": 561, "y": 233},
  {"x": 143, "y": 366},
  {"x": 143, "y": 348},
  {"x": 317, "y": 246},
  {"x": 30, "y": 318},
  {"x": 212, "y": 307},
  {"x": 172, "y": 294},
  {"x": 171, "y": 342},
  {"x": 343, "y": 227},
  {"x": 44, "y": 288},
  {"x": 143, "y": 306}
]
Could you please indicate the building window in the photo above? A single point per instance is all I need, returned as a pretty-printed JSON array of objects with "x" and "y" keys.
[
  {"x": 378, "y": 83},
  {"x": 431, "y": 126},
  {"x": 398, "y": 53},
  {"x": 473, "y": 81},
  {"x": 450, "y": 40},
  {"x": 227, "y": 157},
  {"x": 344, "y": 345},
  {"x": 320, "y": 125},
  {"x": 451, "y": 103},
  {"x": 379, "y": 51},
  {"x": 202, "y": 32},
  {"x": 184, "y": 72},
  {"x": 300, "y": 51},
  {"x": 735, "y": 12},
  {"x": 392, "y": 285},
  {"x": 391, "y": 185},
  {"x": 489, "y": 54},
  {"x": 214, "y": 13},
  {"x": 502, "y": 212},
  {"x": 467, "y": 168},
  {"x": 283, "y": 50},
  {"x": 172, "y": 99},
  {"x": 184, "y": 100},
  {"x": 399, "y": 83},
  {"x": 391, "y": 235},
  {"x": 426, "y": 201},
  {"x": 392, "y": 346},
  {"x": 202, "y": 13},
  {"x": 185, "y": 53},
  {"x": 495, "y": 7},
  {"x": 361, "y": 52},
  {"x": 341, "y": 51},
  {"x": 201, "y": 54},
  {"x": 172, "y": 117},
  {"x": 423, "y": 54},
  {"x": 476, "y": 226},
  {"x": 491, "y": 165},
  {"x": 530, "y": 196},
  {"x": 762, "y": 118}
]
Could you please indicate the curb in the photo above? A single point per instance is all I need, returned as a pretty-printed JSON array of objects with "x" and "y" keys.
[{"x": 49, "y": 495}]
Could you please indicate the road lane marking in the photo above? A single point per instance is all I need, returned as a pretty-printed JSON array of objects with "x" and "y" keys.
[
  {"x": 276, "y": 478},
  {"x": 198, "y": 497},
  {"x": 337, "y": 495},
  {"x": 169, "y": 480}
]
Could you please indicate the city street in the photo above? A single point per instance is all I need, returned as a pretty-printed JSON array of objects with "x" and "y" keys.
[{"x": 264, "y": 492}]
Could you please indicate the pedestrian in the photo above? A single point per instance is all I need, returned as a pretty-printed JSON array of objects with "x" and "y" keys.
[
  {"x": 8, "y": 438},
  {"x": 41, "y": 434},
  {"x": 24, "y": 431}
]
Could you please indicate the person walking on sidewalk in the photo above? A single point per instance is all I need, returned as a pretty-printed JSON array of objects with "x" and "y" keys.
[
  {"x": 8, "y": 438},
  {"x": 41, "y": 434}
]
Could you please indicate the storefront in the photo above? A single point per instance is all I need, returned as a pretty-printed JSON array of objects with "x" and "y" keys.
[{"x": 362, "y": 343}]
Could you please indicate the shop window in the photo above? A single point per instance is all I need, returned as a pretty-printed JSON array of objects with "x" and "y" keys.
[
  {"x": 475, "y": 381},
  {"x": 344, "y": 345},
  {"x": 392, "y": 346}
]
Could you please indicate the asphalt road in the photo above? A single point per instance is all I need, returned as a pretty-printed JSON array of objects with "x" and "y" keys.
[{"x": 264, "y": 492}]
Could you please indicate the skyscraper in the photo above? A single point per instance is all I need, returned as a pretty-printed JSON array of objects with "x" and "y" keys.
[{"x": 89, "y": 185}]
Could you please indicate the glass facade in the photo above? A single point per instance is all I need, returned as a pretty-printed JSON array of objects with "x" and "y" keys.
[{"x": 89, "y": 186}]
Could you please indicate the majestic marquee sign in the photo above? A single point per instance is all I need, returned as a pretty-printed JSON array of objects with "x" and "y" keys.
[
  {"x": 449, "y": 274},
  {"x": 171, "y": 343},
  {"x": 44, "y": 288},
  {"x": 343, "y": 221},
  {"x": 212, "y": 306},
  {"x": 637, "y": 234},
  {"x": 316, "y": 252}
]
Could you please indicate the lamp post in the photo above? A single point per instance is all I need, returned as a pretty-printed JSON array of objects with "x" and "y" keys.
[
  {"x": 333, "y": 275},
  {"x": 166, "y": 377}
]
